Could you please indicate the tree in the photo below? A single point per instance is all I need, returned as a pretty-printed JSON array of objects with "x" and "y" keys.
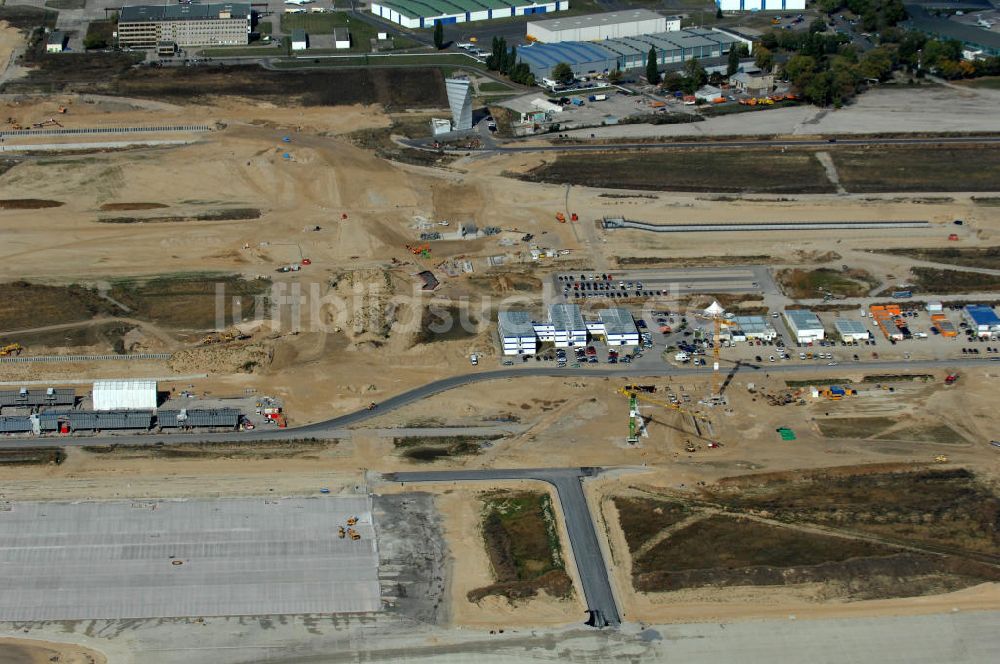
[
  {"x": 818, "y": 25},
  {"x": 800, "y": 70},
  {"x": 438, "y": 35},
  {"x": 735, "y": 53},
  {"x": 764, "y": 58},
  {"x": 511, "y": 60},
  {"x": 694, "y": 72},
  {"x": 94, "y": 41},
  {"x": 876, "y": 64},
  {"x": 652, "y": 71},
  {"x": 562, "y": 72},
  {"x": 615, "y": 76},
  {"x": 673, "y": 81},
  {"x": 718, "y": 13}
]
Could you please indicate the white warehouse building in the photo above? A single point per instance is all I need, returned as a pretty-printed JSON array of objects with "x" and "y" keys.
[
  {"x": 805, "y": 325},
  {"x": 760, "y": 5},
  {"x": 124, "y": 395},
  {"x": 595, "y": 27},
  {"x": 517, "y": 333},
  {"x": 425, "y": 13},
  {"x": 850, "y": 330},
  {"x": 752, "y": 328},
  {"x": 616, "y": 326}
]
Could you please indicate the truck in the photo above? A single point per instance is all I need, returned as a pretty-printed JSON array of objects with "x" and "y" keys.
[
  {"x": 902, "y": 294},
  {"x": 474, "y": 359},
  {"x": 593, "y": 98}
]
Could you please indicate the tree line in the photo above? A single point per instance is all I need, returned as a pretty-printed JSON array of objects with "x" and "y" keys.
[{"x": 504, "y": 60}]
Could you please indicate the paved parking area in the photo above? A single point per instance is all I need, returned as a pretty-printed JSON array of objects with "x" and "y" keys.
[{"x": 166, "y": 559}]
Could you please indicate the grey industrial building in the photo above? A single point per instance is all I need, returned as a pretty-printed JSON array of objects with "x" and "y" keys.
[
  {"x": 973, "y": 38},
  {"x": 628, "y": 53},
  {"x": 153, "y": 26},
  {"x": 609, "y": 25}
]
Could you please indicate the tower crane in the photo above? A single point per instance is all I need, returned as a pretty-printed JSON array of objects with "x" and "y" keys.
[
  {"x": 716, "y": 314},
  {"x": 635, "y": 423}
]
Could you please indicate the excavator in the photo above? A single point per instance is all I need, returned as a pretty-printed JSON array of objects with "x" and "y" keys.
[
  {"x": 232, "y": 334},
  {"x": 11, "y": 349}
]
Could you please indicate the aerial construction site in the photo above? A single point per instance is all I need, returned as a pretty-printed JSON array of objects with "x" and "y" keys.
[{"x": 284, "y": 378}]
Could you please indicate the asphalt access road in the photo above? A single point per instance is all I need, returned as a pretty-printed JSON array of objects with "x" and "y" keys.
[
  {"x": 326, "y": 428},
  {"x": 586, "y": 549},
  {"x": 818, "y": 142}
]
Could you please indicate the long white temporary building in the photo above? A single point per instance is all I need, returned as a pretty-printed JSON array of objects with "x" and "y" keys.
[
  {"x": 517, "y": 333},
  {"x": 760, "y": 5},
  {"x": 805, "y": 325},
  {"x": 616, "y": 326},
  {"x": 124, "y": 395},
  {"x": 565, "y": 328},
  {"x": 594, "y": 27}
]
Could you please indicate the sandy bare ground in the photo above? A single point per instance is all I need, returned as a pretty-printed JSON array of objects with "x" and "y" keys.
[
  {"x": 35, "y": 651},
  {"x": 938, "y": 109}
]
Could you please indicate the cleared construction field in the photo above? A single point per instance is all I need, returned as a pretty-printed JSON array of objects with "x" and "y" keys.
[
  {"x": 183, "y": 301},
  {"x": 917, "y": 168},
  {"x": 846, "y": 529},
  {"x": 730, "y": 171},
  {"x": 168, "y": 559},
  {"x": 984, "y": 257},
  {"x": 798, "y": 283}
]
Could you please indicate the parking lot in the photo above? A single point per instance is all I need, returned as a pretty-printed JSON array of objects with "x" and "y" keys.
[
  {"x": 625, "y": 285},
  {"x": 167, "y": 559}
]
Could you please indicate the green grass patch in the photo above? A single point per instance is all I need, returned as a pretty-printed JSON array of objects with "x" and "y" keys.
[
  {"x": 854, "y": 427},
  {"x": 983, "y": 257},
  {"x": 917, "y": 168},
  {"x": 66, "y": 4},
  {"x": 37, "y": 456},
  {"x": 28, "y": 18},
  {"x": 944, "y": 282},
  {"x": 642, "y": 519},
  {"x": 443, "y": 60},
  {"x": 100, "y": 34},
  {"x": 798, "y": 283},
  {"x": 946, "y": 507},
  {"x": 522, "y": 541},
  {"x": 324, "y": 24},
  {"x": 494, "y": 86},
  {"x": 265, "y": 27},
  {"x": 729, "y": 171},
  {"x": 188, "y": 301},
  {"x": 986, "y": 82},
  {"x": 732, "y": 543}
]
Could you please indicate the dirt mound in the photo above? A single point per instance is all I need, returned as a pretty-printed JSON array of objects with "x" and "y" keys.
[
  {"x": 227, "y": 359},
  {"x": 28, "y": 204}
]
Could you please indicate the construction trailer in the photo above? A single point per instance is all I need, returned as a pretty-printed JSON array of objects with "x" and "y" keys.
[
  {"x": 35, "y": 398},
  {"x": 887, "y": 318},
  {"x": 944, "y": 326},
  {"x": 517, "y": 333},
  {"x": 565, "y": 327},
  {"x": 616, "y": 326}
]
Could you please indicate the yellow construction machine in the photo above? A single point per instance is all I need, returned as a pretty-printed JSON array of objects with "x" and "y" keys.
[{"x": 11, "y": 349}]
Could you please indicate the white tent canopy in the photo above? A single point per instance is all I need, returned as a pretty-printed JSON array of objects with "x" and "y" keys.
[{"x": 125, "y": 395}]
